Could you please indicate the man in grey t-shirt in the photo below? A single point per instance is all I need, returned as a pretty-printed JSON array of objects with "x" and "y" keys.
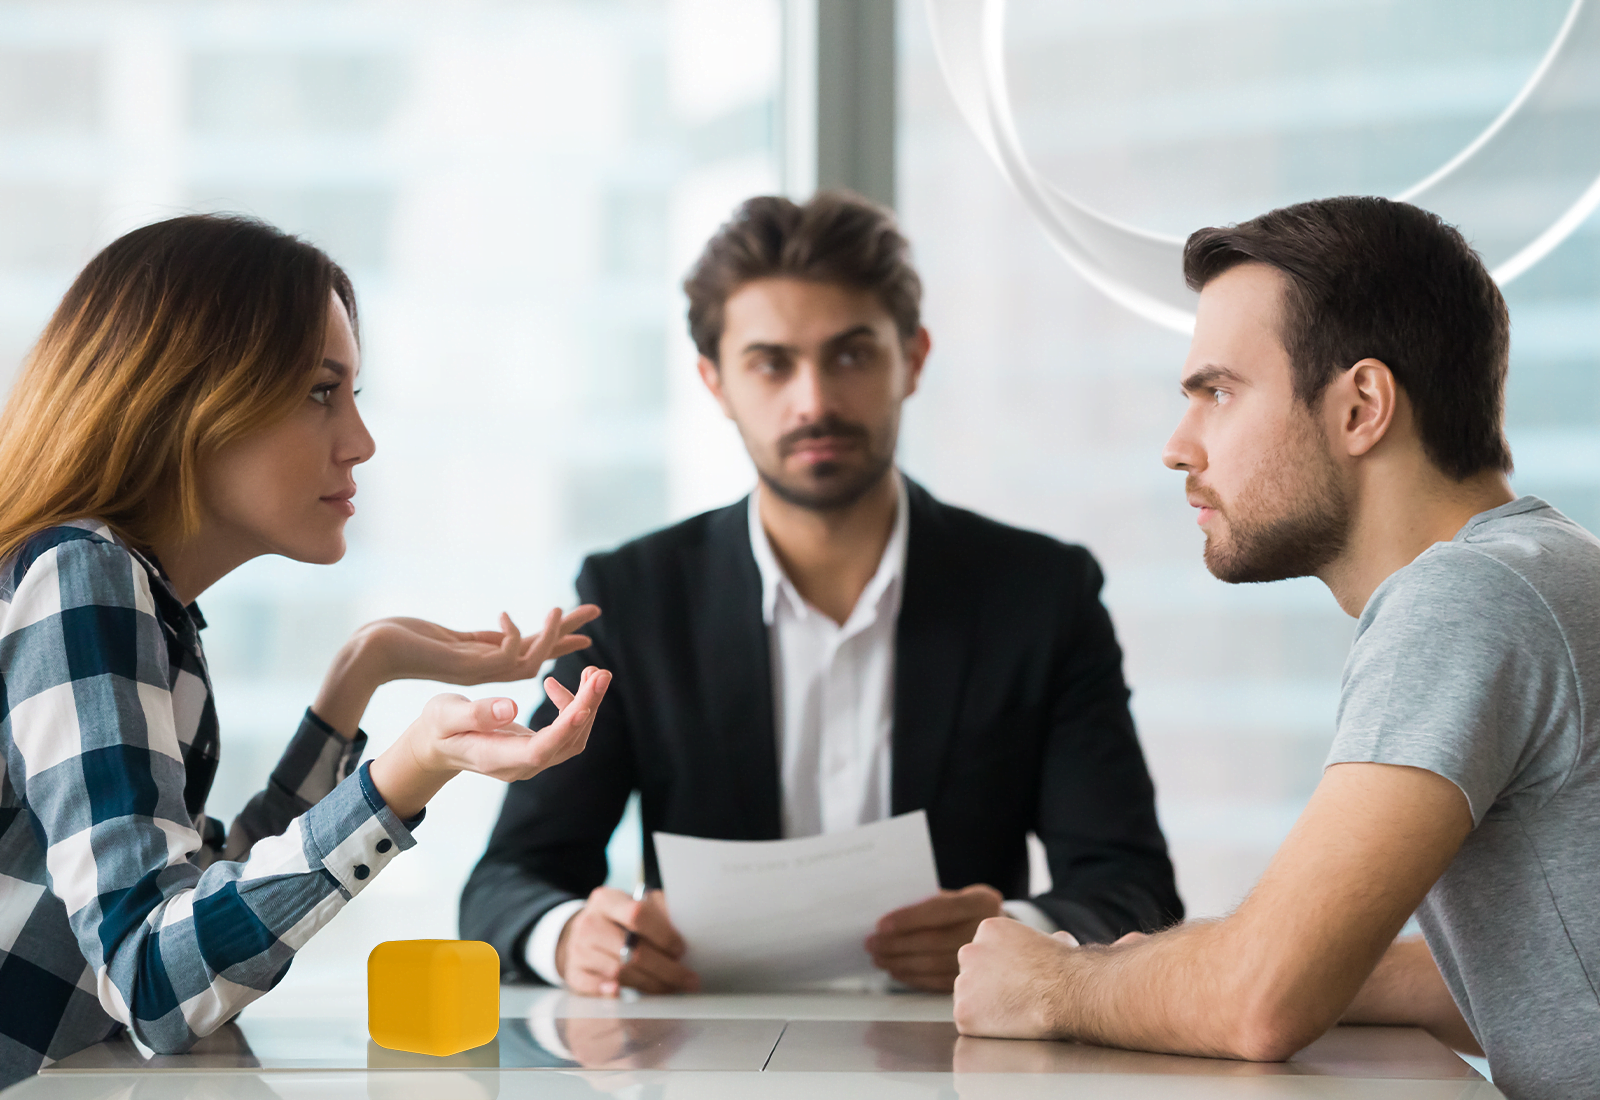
[
  {"x": 1474, "y": 662},
  {"x": 1345, "y": 394}
]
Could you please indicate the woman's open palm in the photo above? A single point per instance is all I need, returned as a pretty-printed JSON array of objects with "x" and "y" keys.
[{"x": 470, "y": 737}]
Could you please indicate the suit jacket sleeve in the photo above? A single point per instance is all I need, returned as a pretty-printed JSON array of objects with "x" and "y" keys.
[
  {"x": 1097, "y": 817},
  {"x": 549, "y": 845}
]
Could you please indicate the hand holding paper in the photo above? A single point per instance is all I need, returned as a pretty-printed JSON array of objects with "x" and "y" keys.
[
  {"x": 779, "y": 914},
  {"x": 917, "y": 945}
]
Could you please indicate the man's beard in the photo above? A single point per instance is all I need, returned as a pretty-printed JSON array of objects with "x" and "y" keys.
[
  {"x": 1311, "y": 526},
  {"x": 833, "y": 486}
]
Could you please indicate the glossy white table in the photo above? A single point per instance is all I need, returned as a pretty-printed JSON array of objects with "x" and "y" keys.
[{"x": 839, "y": 1046}]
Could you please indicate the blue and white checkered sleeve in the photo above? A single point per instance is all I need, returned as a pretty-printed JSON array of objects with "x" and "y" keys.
[
  {"x": 175, "y": 951},
  {"x": 316, "y": 760}
]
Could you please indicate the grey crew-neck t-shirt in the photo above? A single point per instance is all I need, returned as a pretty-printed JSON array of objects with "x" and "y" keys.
[{"x": 1480, "y": 661}]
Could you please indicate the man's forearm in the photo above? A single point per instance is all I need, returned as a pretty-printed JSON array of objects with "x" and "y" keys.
[
  {"x": 1259, "y": 984},
  {"x": 1164, "y": 992},
  {"x": 1407, "y": 990},
  {"x": 1169, "y": 992},
  {"x": 496, "y": 903},
  {"x": 1204, "y": 988}
]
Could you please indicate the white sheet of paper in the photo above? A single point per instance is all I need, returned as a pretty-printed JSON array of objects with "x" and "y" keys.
[{"x": 775, "y": 914}]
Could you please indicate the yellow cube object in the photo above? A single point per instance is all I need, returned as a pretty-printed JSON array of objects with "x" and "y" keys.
[{"x": 435, "y": 997}]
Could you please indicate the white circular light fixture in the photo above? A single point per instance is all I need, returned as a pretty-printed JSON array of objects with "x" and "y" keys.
[{"x": 1517, "y": 190}]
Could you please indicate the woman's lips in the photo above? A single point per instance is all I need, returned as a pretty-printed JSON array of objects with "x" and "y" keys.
[{"x": 342, "y": 503}]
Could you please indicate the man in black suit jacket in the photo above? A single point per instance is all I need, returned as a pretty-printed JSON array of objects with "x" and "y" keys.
[{"x": 834, "y": 649}]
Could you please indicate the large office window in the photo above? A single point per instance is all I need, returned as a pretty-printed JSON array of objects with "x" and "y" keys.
[
  {"x": 515, "y": 189},
  {"x": 1047, "y": 405}
]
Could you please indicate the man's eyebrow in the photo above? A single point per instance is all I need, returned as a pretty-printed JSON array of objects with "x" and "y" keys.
[
  {"x": 789, "y": 349},
  {"x": 768, "y": 349},
  {"x": 849, "y": 334},
  {"x": 1207, "y": 378}
]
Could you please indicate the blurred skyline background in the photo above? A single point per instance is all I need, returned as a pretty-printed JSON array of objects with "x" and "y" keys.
[
  {"x": 1047, "y": 405},
  {"x": 516, "y": 189}
]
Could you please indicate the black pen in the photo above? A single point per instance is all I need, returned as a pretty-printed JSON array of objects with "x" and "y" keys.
[{"x": 630, "y": 942}]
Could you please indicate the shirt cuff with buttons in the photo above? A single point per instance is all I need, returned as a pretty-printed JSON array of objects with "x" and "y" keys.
[
  {"x": 546, "y": 935},
  {"x": 353, "y": 834}
]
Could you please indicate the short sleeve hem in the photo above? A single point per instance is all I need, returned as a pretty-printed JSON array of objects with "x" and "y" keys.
[{"x": 1369, "y": 749}]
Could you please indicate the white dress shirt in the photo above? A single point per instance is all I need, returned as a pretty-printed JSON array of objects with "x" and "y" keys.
[
  {"x": 833, "y": 688},
  {"x": 833, "y": 704}
]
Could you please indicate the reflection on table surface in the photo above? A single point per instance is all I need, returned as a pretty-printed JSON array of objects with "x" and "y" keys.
[
  {"x": 528, "y": 1000},
  {"x": 841, "y": 1047},
  {"x": 721, "y": 1085},
  {"x": 653, "y": 1043},
  {"x": 900, "y": 1047},
  {"x": 553, "y": 1043}
]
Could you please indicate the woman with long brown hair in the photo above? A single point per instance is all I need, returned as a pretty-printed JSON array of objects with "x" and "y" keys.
[{"x": 190, "y": 406}]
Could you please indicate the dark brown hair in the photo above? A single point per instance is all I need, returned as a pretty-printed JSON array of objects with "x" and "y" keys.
[
  {"x": 837, "y": 237},
  {"x": 175, "y": 340},
  {"x": 1374, "y": 278}
]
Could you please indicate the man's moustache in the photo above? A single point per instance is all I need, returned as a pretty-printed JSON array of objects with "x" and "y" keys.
[
  {"x": 824, "y": 430},
  {"x": 1193, "y": 489}
]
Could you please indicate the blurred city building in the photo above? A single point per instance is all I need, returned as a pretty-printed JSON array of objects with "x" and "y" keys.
[
  {"x": 515, "y": 189},
  {"x": 1047, "y": 405}
]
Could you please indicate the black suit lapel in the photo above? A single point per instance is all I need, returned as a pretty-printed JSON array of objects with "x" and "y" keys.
[
  {"x": 734, "y": 659},
  {"x": 932, "y": 642}
]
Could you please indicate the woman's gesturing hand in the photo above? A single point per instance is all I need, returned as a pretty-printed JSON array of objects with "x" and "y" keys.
[
  {"x": 454, "y": 734},
  {"x": 415, "y": 649}
]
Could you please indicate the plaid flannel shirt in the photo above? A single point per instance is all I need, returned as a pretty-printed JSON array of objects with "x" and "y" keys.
[{"x": 121, "y": 903}]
